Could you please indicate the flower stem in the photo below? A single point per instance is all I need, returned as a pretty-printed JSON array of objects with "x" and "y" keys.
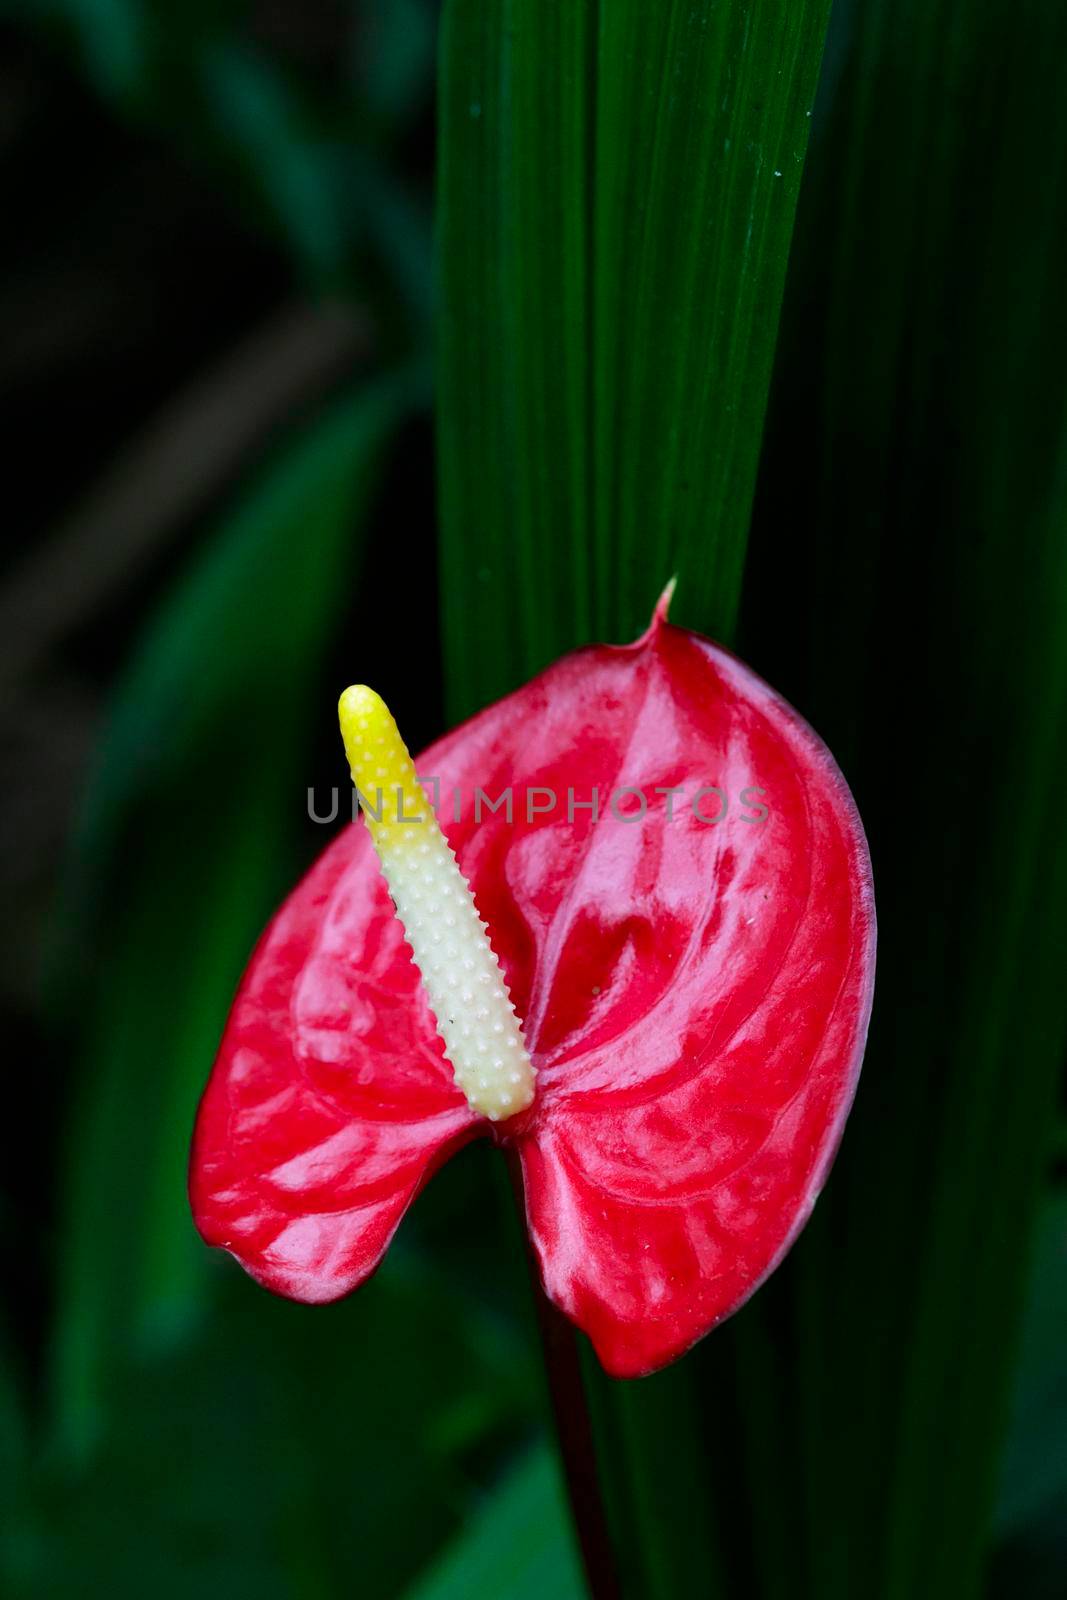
[{"x": 574, "y": 1430}]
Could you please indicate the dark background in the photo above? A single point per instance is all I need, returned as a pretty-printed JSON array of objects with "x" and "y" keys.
[{"x": 218, "y": 231}]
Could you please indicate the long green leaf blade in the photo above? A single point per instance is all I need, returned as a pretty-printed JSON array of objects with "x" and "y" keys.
[
  {"x": 919, "y": 622},
  {"x": 519, "y": 1547},
  {"x": 617, "y": 187},
  {"x": 616, "y": 195}
]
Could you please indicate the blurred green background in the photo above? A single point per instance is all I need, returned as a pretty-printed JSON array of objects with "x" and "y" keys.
[{"x": 222, "y": 325}]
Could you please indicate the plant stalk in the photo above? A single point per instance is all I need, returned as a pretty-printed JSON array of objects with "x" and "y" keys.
[{"x": 574, "y": 1429}]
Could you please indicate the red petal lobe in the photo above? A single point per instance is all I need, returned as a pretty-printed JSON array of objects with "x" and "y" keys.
[{"x": 693, "y": 960}]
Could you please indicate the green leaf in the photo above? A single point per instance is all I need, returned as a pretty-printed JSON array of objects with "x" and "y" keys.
[
  {"x": 191, "y": 833},
  {"x": 518, "y": 1547},
  {"x": 112, "y": 37},
  {"x": 1033, "y": 1478},
  {"x": 290, "y": 1450},
  {"x": 396, "y": 54},
  {"x": 601, "y": 388},
  {"x": 310, "y": 158},
  {"x": 292, "y": 164},
  {"x": 616, "y": 195},
  {"x": 906, "y": 587}
]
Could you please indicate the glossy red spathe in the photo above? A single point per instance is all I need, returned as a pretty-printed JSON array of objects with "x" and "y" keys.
[{"x": 695, "y": 996}]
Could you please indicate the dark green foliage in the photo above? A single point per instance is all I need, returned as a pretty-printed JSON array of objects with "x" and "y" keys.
[
  {"x": 305, "y": 140},
  {"x": 906, "y": 587},
  {"x": 887, "y": 1417},
  {"x": 616, "y": 196},
  {"x": 192, "y": 813}
]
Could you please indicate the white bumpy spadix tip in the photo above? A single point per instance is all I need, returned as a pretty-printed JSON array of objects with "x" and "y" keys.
[{"x": 449, "y": 940}]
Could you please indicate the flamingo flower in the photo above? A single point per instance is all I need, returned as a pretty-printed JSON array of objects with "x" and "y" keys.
[{"x": 640, "y": 953}]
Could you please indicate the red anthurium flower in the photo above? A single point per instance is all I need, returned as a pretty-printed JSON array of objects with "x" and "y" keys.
[{"x": 678, "y": 890}]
